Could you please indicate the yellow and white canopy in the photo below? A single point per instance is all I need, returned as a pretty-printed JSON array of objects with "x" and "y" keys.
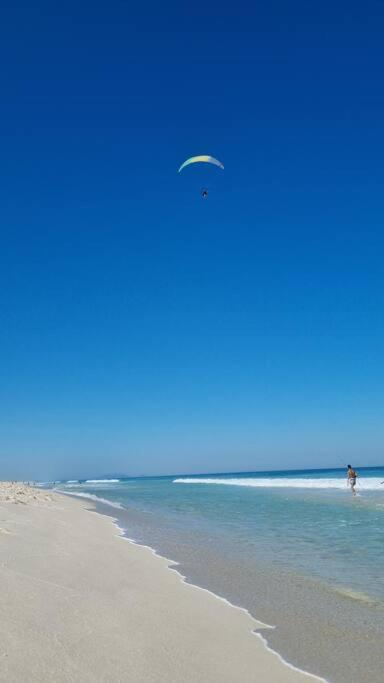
[{"x": 202, "y": 158}]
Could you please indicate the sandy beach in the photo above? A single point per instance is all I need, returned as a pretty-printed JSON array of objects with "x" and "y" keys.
[{"x": 81, "y": 603}]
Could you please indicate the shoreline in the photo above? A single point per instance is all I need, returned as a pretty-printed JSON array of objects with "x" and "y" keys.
[
  {"x": 172, "y": 565},
  {"x": 184, "y": 579},
  {"x": 315, "y": 624},
  {"x": 78, "y": 605}
]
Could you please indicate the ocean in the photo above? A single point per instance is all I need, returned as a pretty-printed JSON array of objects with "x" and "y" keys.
[{"x": 295, "y": 548}]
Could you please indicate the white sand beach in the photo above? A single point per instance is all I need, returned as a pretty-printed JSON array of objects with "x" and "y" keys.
[{"x": 80, "y": 603}]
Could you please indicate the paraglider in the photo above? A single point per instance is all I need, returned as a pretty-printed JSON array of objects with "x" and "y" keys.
[{"x": 205, "y": 159}]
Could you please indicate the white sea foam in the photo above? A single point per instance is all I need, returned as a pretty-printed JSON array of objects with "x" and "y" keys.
[
  {"x": 91, "y": 496},
  {"x": 363, "y": 483},
  {"x": 260, "y": 625},
  {"x": 102, "y": 481},
  {"x": 72, "y": 481}
]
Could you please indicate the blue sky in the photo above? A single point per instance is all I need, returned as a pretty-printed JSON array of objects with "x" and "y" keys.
[{"x": 145, "y": 330}]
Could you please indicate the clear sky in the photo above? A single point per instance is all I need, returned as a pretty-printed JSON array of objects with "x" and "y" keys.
[{"x": 144, "y": 329}]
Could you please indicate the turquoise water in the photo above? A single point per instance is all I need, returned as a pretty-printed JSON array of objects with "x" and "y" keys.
[
  {"x": 295, "y": 548},
  {"x": 304, "y": 520}
]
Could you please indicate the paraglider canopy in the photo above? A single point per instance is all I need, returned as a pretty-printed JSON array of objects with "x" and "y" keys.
[{"x": 202, "y": 158}]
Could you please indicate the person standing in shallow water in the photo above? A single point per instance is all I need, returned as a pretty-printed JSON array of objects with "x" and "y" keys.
[{"x": 351, "y": 476}]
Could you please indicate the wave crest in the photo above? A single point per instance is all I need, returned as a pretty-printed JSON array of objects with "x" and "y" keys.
[
  {"x": 91, "y": 496},
  {"x": 102, "y": 481},
  {"x": 363, "y": 483}
]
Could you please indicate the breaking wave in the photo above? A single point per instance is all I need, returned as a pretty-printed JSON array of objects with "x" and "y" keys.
[
  {"x": 102, "y": 481},
  {"x": 363, "y": 483},
  {"x": 91, "y": 496}
]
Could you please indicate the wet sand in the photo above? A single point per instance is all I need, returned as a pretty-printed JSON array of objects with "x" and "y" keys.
[
  {"x": 80, "y": 603},
  {"x": 321, "y": 628}
]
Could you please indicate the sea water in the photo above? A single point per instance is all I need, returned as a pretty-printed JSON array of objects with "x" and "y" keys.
[{"x": 295, "y": 548}]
